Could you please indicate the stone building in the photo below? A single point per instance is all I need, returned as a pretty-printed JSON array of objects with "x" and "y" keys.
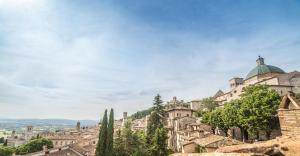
[
  {"x": 289, "y": 115},
  {"x": 80, "y": 140},
  {"x": 263, "y": 74},
  {"x": 196, "y": 104},
  {"x": 208, "y": 144},
  {"x": 17, "y": 140},
  {"x": 178, "y": 119}
]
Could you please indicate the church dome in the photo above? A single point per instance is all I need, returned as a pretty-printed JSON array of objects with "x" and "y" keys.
[{"x": 262, "y": 68}]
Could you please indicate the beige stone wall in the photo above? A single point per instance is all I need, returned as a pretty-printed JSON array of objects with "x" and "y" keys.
[
  {"x": 189, "y": 148},
  {"x": 289, "y": 121}
]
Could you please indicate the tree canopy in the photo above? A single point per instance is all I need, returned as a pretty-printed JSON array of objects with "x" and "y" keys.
[{"x": 255, "y": 111}]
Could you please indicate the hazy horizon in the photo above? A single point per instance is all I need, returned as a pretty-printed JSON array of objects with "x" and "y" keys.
[{"x": 72, "y": 59}]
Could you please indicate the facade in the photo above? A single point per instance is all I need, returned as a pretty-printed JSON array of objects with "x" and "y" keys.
[
  {"x": 196, "y": 104},
  {"x": 208, "y": 144},
  {"x": 80, "y": 140},
  {"x": 178, "y": 116},
  {"x": 263, "y": 74},
  {"x": 289, "y": 115},
  {"x": 18, "y": 140}
]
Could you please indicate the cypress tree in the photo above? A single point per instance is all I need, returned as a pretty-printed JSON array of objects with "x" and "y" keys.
[
  {"x": 101, "y": 145},
  {"x": 110, "y": 134}
]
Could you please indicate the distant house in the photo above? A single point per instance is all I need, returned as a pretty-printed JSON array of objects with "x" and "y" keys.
[{"x": 208, "y": 144}]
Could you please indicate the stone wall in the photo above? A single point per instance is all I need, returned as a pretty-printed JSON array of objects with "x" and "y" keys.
[{"x": 289, "y": 121}]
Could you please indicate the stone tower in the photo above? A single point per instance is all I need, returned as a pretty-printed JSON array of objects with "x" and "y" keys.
[
  {"x": 260, "y": 61},
  {"x": 78, "y": 126}
]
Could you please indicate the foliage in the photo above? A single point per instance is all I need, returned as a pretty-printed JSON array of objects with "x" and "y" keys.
[
  {"x": 259, "y": 109},
  {"x": 34, "y": 146},
  {"x": 2, "y": 140},
  {"x": 5, "y": 142},
  {"x": 139, "y": 143},
  {"x": 128, "y": 143},
  {"x": 101, "y": 145},
  {"x": 119, "y": 148},
  {"x": 156, "y": 117},
  {"x": 6, "y": 151},
  {"x": 298, "y": 96},
  {"x": 110, "y": 134},
  {"x": 255, "y": 111},
  {"x": 217, "y": 120},
  {"x": 209, "y": 103},
  {"x": 141, "y": 114},
  {"x": 199, "y": 112},
  {"x": 159, "y": 146},
  {"x": 230, "y": 112}
]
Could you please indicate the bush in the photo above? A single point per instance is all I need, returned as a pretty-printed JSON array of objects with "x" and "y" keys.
[
  {"x": 6, "y": 151},
  {"x": 34, "y": 146}
]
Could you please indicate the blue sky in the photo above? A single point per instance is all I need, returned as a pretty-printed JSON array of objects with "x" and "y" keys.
[{"x": 74, "y": 58}]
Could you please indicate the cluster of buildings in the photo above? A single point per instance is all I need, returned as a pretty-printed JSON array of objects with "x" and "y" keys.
[
  {"x": 262, "y": 74},
  {"x": 18, "y": 140},
  {"x": 186, "y": 133}
]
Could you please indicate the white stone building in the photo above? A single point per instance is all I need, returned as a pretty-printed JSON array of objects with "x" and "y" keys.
[{"x": 263, "y": 74}]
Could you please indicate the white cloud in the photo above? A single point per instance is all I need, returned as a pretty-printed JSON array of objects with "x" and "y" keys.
[{"x": 63, "y": 63}]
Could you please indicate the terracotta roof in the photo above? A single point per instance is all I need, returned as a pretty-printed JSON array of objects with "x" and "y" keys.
[{"x": 211, "y": 139}]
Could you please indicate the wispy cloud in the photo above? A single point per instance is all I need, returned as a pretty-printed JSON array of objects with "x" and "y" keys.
[{"x": 73, "y": 60}]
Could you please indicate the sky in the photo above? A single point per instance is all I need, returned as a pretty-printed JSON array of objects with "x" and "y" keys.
[{"x": 74, "y": 58}]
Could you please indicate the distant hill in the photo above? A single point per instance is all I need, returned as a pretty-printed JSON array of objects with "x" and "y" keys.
[{"x": 10, "y": 124}]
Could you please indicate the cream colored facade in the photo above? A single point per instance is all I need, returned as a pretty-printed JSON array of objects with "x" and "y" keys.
[{"x": 280, "y": 81}]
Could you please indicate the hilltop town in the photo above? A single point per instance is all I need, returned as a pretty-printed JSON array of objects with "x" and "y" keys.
[{"x": 188, "y": 131}]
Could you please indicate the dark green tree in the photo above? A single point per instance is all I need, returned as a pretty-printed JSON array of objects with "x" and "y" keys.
[
  {"x": 110, "y": 134},
  {"x": 119, "y": 147},
  {"x": 2, "y": 140},
  {"x": 101, "y": 145},
  {"x": 156, "y": 118},
  {"x": 5, "y": 142}
]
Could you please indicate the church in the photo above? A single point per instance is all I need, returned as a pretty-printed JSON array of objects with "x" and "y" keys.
[{"x": 262, "y": 74}]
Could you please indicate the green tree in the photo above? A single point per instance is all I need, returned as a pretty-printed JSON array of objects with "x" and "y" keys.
[
  {"x": 159, "y": 145},
  {"x": 217, "y": 120},
  {"x": 141, "y": 114},
  {"x": 207, "y": 119},
  {"x": 34, "y": 146},
  {"x": 119, "y": 147},
  {"x": 110, "y": 134},
  {"x": 2, "y": 140},
  {"x": 209, "y": 103},
  {"x": 258, "y": 111},
  {"x": 6, "y": 151},
  {"x": 139, "y": 138},
  {"x": 156, "y": 118},
  {"x": 101, "y": 145},
  {"x": 5, "y": 142},
  {"x": 231, "y": 118}
]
